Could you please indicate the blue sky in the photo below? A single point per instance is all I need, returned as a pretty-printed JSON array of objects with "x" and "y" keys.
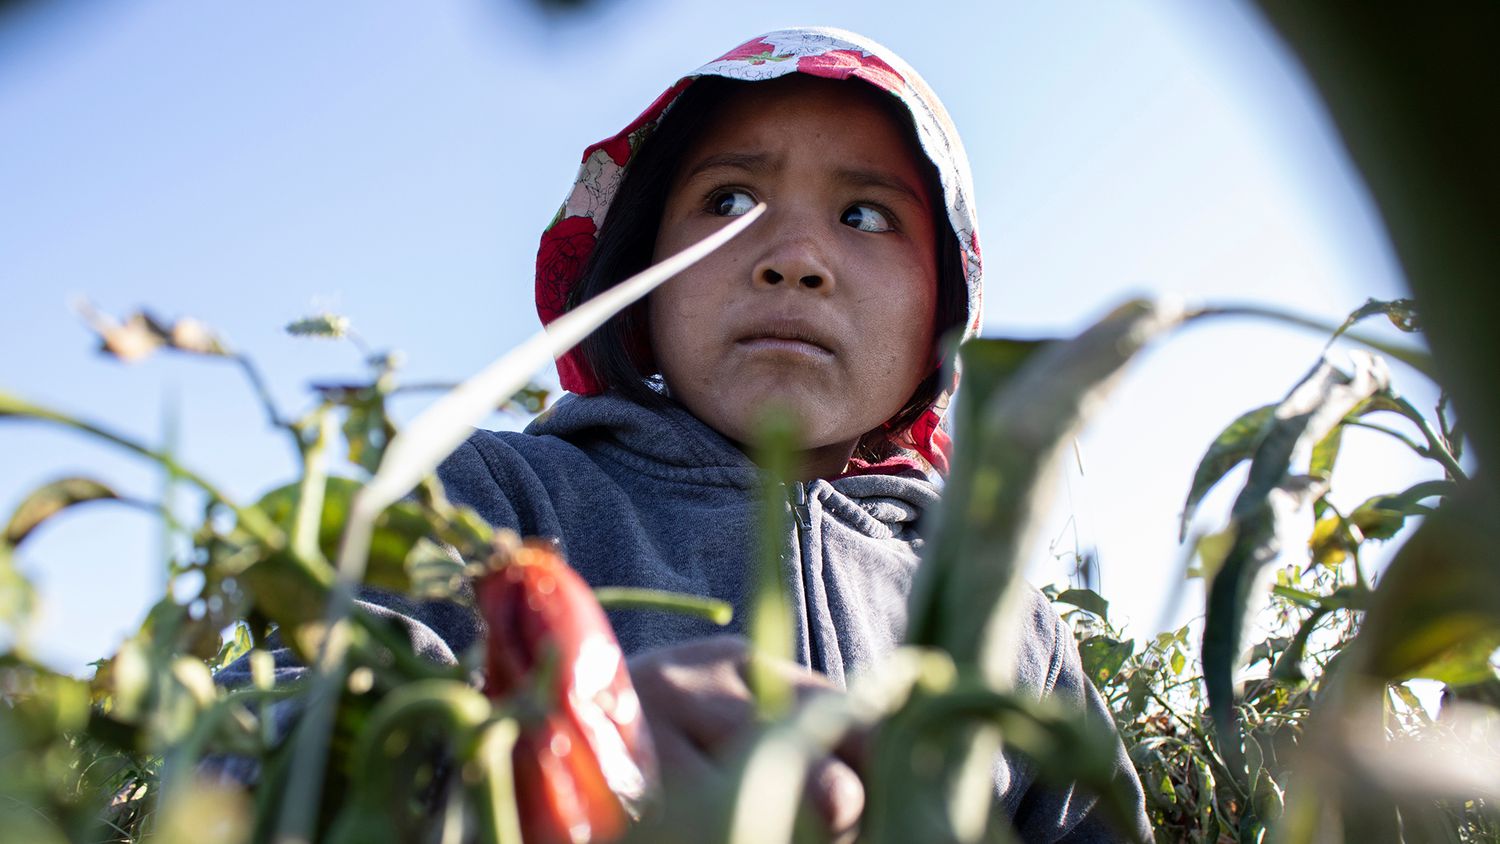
[{"x": 395, "y": 162}]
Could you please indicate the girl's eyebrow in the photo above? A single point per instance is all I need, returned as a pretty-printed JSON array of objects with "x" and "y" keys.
[
  {"x": 877, "y": 179},
  {"x": 752, "y": 162}
]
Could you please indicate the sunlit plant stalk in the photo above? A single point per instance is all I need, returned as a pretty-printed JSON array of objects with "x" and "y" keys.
[{"x": 411, "y": 456}]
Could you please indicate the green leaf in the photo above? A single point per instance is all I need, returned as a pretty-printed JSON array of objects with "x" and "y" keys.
[
  {"x": 1330, "y": 542},
  {"x": 1103, "y": 658},
  {"x": 327, "y": 326},
  {"x": 628, "y": 598},
  {"x": 367, "y": 430},
  {"x": 433, "y": 572},
  {"x": 17, "y": 595},
  {"x": 1269, "y": 799},
  {"x": 1326, "y": 453},
  {"x": 1271, "y": 494},
  {"x": 1409, "y": 699},
  {"x": 1383, "y": 516},
  {"x": 1211, "y": 551},
  {"x": 1300, "y": 597},
  {"x": 397, "y": 530},
  {"x": 1440, "y": 595},
  {"x": 1178, "y": 661},
  {"x": 236, "y": 644},
  {"x": 1163, "y": 791},
  {"x": 51, "y": 499},
  {"x": 1233, "y": 445},
  {"x": 1288, "y": 666},
  {"x": 1072, "y": 750},
  {"x": 1086, "y": 599},
  {"x": 770, "y": 625},
  {"x": 1021, "y": 405},
  {"x": 1467, "y": 663}
]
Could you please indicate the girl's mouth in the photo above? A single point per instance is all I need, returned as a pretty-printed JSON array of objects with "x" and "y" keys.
[
  {"x": 785, "y": 345},
  {"x": 790, "y": 336}
]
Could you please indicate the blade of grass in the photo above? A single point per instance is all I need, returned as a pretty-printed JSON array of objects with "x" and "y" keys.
[
  {"x": 412, "y": 455},
  {"x": 770, "y": 624}
]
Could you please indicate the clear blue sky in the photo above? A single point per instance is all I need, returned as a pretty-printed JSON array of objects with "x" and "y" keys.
[{"x": 395, "y": 162}]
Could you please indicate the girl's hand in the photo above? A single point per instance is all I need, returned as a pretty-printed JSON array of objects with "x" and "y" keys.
[{"x": 699, "y": 709}]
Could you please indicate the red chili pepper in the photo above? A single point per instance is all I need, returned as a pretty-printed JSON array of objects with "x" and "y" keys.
[{"x": 588, "y": 764}]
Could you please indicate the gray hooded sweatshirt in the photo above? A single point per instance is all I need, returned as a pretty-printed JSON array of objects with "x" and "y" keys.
[{"x": 653, "y": 498}]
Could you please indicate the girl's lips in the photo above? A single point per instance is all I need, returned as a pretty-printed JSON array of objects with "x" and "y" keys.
[
  {"x": 787, "y": 335},
  {"x": 785, "y": 345}
]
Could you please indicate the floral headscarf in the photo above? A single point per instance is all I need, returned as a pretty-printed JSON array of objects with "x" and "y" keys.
[{"x": 815, "y": 51}]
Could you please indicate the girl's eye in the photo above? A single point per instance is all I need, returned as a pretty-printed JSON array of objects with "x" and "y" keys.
[
  {"x": 730, "y": 203},
  {"x": 866, "y": 219}
]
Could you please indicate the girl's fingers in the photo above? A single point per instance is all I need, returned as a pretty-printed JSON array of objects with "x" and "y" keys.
[
  {"x": 698, "y": 705},
  {"x": 837, "y": 795},
  {"x": 695, "y": 690},
  {"x": 683, "y": 763}
]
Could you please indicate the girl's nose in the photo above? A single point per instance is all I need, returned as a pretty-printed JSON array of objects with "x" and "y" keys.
[
  {"x": 795, "y": 257},
  {"x": 771, "y": 276}
]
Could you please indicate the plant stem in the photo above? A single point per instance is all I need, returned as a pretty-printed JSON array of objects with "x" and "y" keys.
[
  {"x": 424, "y": 387},
  {"x": 1390, "y": 432},
  {"x": 267, "y": 401},
  {"x": 1414, "y": 357},
  {"x": 1435, "y": 447},
  {"x": 623, "y": 598},
  {"x": 251, "y": 519},
  {"x": 311, "y": 489},
  {"x": 1213, "y": 755}
]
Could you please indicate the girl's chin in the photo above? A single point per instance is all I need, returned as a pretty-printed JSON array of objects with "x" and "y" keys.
[{"x": 745, "y": 422}]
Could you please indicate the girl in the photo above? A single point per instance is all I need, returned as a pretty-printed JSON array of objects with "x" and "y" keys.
[{"x": 831, "y": 306}]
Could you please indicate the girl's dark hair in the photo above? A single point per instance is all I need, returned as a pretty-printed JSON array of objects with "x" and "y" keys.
[{"x": 619, "y": 352}]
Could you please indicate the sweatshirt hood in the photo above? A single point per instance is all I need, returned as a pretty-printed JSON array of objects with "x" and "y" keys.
[{"x": 828, "y": 53}]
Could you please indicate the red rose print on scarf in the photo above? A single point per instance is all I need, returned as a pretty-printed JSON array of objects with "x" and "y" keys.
[
  {"x": 617, "y": 148},
  {"x": 842, "y": 64},
  {"x": 559, "y": 263}
]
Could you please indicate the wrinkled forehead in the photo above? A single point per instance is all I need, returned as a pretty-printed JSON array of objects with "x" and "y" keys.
[{"x": 857, "y": 125}]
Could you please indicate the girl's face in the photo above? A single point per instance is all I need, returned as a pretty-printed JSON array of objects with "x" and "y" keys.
[{"x": 824, "y": 306}]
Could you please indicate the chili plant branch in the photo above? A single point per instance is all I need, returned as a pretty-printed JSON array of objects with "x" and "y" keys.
[
  {"x": 251, "y": 519},
  {"x": 1436, "y": 449}
]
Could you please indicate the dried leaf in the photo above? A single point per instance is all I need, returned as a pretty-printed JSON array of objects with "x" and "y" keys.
[
  {"x": 1401, "y": 312},
  {"x": 133, "y": 340},
  {"x": 51, "y": 499},
  {"x": 191, "y": 336}
]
